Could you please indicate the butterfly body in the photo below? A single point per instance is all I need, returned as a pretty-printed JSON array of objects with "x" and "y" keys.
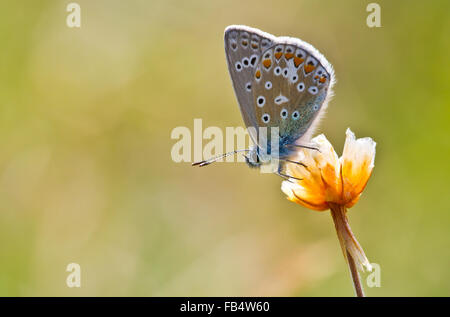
[{"x": 280, "y": 82}]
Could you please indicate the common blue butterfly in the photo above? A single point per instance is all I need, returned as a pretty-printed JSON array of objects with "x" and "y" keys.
[{"x": 280, "y": 82}]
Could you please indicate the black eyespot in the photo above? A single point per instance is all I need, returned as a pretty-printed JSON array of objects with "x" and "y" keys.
[
  {"x": 248, "y": 87},
  {"x": 238, "y": 66},
  {"x": 265, "y": 118},
  {"x": 313, "y": 90},
  {"x": 295, "y": 115},
  {"x": 261, "y": 100},
  {"x": 285, "y": 72},
  {"x": 245, "y": 62},
  {"x": 253, "y": 61}
]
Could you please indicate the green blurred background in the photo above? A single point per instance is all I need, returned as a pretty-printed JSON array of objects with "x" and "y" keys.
[{"x": 86, "y": 174}]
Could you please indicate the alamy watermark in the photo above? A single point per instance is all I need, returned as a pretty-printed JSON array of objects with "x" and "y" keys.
[
  {"x": 238, "y": 142},
  {"x": 73, "y": 19},
  {"x": 74, "y": 277},
  {"x": 374, "y": 278},
  {"x": 374, "y": 18}
]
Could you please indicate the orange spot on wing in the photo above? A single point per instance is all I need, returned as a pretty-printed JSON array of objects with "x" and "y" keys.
[
  {"x": 245, "y": 43},
  {"x": 298, "y": 61},
  {"x": 322, "y": 80},
  {"x": 309, "y": 68},
  {"x": 254, "y": 45},
  {"x": 267, "y": 63},
  {"x": 258, "y": 74},
  {"x": 278, "y": 55},
  {"x": 288, "y": 56}
]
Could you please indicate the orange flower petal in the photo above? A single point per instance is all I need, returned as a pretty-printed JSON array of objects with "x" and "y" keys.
[
  {"x": 357, "y": 163},
  {"x": 328, "y": 178},
  {"x": 309, "y": 199}
]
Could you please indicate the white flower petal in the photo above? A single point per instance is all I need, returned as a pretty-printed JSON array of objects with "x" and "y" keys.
[{"x": 358, "y": 150}]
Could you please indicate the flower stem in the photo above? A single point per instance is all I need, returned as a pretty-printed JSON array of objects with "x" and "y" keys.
[
  {"x": 351, "y": 249},
  {"x": 355, "y": 276}
]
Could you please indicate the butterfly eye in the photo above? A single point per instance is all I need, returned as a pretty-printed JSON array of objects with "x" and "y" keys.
[
  {"x": 265, "y": 118},
  {"x": 238, "y": 66},
  {"x": 284, "y": 113},
  {"x": 261, "y": 101},
  {"x": 268, "y": 85},
  {"x": 301, "y": 87},
  {"x": 313, "y": 90},
  {"x": 295, "y": 115}
]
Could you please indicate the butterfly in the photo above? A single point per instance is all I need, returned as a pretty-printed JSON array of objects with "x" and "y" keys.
[{"x": 279, "y": 82}]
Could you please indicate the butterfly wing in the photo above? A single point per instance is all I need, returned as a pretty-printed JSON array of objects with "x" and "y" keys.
[
  {"x": 243, "y": 49},
  {"x": 291, "y": 85}
]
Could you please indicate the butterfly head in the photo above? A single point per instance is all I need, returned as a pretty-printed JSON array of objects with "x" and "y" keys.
[{"x": 261, "y": 155}]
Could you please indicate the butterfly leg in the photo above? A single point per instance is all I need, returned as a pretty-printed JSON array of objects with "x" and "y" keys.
[
  {"x": 295, "y": 162},
  {"x": 304, "y": 147},
  {"x": 288, "y": 177}
]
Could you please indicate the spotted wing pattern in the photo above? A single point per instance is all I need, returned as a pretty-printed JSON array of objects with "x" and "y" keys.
[
  {"x": 279, "y": 82},
  {"x": 289, "y": 90},
  {"x": 243, "y": 49}
]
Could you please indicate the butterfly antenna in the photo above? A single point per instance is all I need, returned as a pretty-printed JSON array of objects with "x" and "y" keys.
[{"x": 215, "y": 159}]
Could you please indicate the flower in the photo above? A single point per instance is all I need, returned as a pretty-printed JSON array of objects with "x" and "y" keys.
[
  {"x": 328, "y": 179},
  {"x": 336, "y": 183}
]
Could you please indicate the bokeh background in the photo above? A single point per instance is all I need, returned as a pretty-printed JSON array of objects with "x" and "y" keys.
[{"x": 86, "y": 174}]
